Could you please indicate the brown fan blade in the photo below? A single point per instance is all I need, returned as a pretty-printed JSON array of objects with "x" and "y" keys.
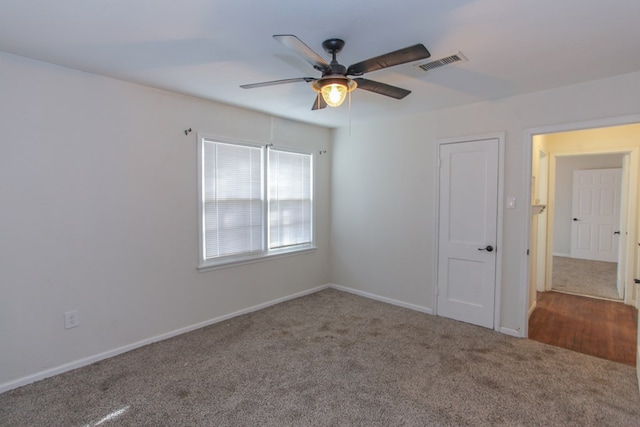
[
  {"x": 402, "y": 56},
  {"x": 382, "y": 88},
  {"x": 295, "y": 44},
  {"x": 278, "y": 82},
  {"x": 319, "y": 103}
]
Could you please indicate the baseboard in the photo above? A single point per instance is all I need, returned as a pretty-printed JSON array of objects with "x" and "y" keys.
[
  {"x": 562, "y": 255},
  {"x": 120, "y": 350},
  {"x": 513, "y": 332},
  {"x": 382, "y": 299}
]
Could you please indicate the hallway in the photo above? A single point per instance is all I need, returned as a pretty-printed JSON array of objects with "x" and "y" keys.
[{"x": 585, "y": 277}]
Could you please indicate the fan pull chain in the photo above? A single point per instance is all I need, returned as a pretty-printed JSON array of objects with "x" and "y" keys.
[{"x": 349, "y": 113}]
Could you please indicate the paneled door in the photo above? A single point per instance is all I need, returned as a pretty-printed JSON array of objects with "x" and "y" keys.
[
  {"x": 596, "y": 214},
  {"x": 467, "y": 231}
]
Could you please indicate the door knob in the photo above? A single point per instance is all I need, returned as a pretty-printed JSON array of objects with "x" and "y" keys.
[{"x": 489, "y": 248}]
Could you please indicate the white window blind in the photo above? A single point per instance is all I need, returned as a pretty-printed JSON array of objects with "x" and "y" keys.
[
  {"x": 290, "y": 198},
  {"x": 255, "y": 202},
  {"x": 232, "y": 193}
]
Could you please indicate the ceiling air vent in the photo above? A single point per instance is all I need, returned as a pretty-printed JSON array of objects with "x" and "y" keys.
[{"x": 449, "y": 60}]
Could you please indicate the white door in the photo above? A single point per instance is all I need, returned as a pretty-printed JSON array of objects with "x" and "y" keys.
[
  {"x": 596, "y": 214},
  {"x": 468, "y": 209}
]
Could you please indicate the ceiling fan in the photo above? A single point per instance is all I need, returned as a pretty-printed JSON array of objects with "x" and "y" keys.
[{"x": 335, "y": 83}]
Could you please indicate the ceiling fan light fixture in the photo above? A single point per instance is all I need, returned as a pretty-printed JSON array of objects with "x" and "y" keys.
[{"x": 334, "y": 89}]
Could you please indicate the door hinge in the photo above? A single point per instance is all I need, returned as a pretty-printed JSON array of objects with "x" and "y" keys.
[{"x": 527, "y": 252}]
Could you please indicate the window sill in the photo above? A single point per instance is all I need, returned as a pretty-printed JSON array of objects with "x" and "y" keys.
[{"x": 234, "y": 262}]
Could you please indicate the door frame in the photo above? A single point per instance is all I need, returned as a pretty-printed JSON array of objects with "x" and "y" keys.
[
  {"x": 500, "y": 136},
  {"x": 541, "y": 252},
  {"x": 526, "y": 167}
]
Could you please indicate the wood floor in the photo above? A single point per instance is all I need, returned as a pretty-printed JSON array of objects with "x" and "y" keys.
[{"x": 601, "y": 328}]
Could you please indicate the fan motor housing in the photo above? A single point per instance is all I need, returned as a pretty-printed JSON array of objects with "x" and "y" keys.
[{"x": 333, "y": 46}]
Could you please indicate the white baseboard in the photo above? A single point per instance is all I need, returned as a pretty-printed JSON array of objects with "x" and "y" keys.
[
  {"x": 507, "y": 331},
  {"x": 120, "y": 350},
  {"x": 117, "y": 351},
  {"x": 562, "y": 255},
  {"x": 383, "y": 299},
  {"x": 513, "y": 332}
]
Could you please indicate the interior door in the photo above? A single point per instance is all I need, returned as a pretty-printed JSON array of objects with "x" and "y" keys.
[
  {"x": 596, "y": 214},
  {"x": 468, "y": 208}
]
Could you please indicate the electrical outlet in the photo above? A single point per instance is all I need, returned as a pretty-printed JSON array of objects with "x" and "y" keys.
[{"x": 71, "y": 319}]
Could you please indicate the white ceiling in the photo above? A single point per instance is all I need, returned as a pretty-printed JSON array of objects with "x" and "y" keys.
[{"x": 207, "y": 48}]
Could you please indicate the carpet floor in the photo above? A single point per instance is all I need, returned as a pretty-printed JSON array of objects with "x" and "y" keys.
[
  {"x": 335, "y": 359},
  {"x": 585, "y": 277}
]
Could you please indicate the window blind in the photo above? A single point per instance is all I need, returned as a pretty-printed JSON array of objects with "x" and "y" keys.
[
  {"x": 289, "y": 198},
  {"x": 233, "y": 207}
]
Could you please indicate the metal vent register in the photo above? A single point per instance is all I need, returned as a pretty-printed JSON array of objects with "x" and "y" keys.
[{"x": 449, "y": 60}]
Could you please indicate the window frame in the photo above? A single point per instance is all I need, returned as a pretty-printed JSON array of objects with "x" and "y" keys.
[{"x": 204, "y": 263}]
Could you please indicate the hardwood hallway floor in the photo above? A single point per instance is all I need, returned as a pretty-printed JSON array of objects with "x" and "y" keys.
[{"x": 601, "y": 328}]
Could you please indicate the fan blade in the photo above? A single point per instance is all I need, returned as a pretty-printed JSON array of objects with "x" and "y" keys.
[
  {"x": 382, "y": 88},
  {"x": 402, "y": 56},
  {"x": 295, "y": 44},
  {"x": 319, "y": 103},
  {"x": 278, "y": 82}
]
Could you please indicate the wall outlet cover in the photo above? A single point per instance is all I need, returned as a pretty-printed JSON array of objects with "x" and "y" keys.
[{"x": 71, "y": 319}]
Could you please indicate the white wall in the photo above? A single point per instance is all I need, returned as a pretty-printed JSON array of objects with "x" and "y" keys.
[
  {"x": 565, "y": 166},
  {"x": 383, "y": 188},
  {"x": 98, "y": 212}
]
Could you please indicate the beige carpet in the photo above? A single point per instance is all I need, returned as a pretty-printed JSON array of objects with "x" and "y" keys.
[
  {"x": 585, "y": 277},
  {"x": 335, "y": 359}
]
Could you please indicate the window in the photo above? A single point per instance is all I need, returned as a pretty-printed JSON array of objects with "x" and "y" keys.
[
  {"x": 289, "y": 199},
  {"x": 255, "y": 201}
]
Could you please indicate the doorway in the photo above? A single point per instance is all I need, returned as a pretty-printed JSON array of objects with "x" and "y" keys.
[
  {"x": 587, "y": 222},
  {"x": 620, "y": 142},
  {"x": 578, "y": 150}
]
